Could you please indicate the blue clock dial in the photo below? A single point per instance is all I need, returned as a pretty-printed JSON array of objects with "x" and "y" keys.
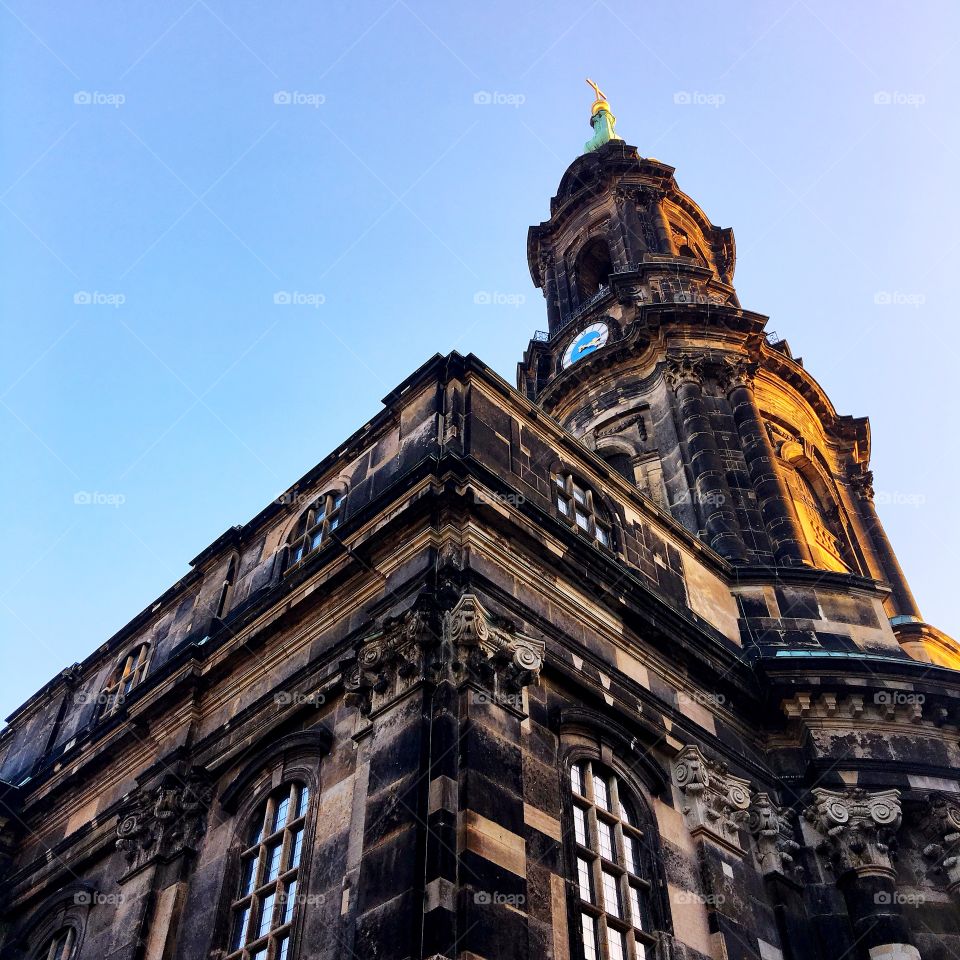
[{"x": 585, "y": 342}]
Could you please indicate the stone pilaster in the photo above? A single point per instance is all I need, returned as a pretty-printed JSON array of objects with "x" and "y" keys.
[
  {"x": 857, "y": 830},
  {"x": 775, "y": 502},
  {"x": 713, "y": 501}
]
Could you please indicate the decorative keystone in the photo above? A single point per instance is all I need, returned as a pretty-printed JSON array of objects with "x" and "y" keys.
[
  {"x": 940, "y": 826},
  {"x": 857, "y": 828},
  {"x": 164, "y": 821},
  {"x": 772, "y": 830},
  {"x": 715, "y": 801}
]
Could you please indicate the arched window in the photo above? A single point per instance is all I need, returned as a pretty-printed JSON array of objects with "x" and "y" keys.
[
  {"x": 612, "y": 867},
  {"x": 130, "y": 671},
  {"x": 315, "y": 526},
  {"x": 594, "y": 267},
  {"x": 61, "y": 946},
  {"x": 578, "y": 504},
  {"x": 262, "y": 911}
]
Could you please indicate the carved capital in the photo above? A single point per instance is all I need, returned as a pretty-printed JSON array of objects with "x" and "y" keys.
[
  {"x": 940, "y": 827},
  {"x": 857, "y": 829},
  {"x": 735, "y": 372},
  {"x": 467, "y": 645},
  {"x": 861, "y": 483},
  {"x": 714, "y": 801},
  {"x": 164, "y": 821},
  {"x": 682, "y": 369},
  {"x": 772, "y": 831}
]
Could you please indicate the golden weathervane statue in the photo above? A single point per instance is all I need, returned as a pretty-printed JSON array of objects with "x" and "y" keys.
[{"x": 602, "y": 120}]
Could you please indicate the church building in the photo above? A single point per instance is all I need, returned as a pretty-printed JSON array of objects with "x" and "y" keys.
[{"x": 616, "y": 664}]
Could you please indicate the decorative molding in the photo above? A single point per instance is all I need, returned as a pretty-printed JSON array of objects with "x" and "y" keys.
[
  {"x": 772, "y": 829},
  {"x": 470, "y": 646},
  {"x": 857, "y": 829},
  {"x": 715, "y": 801},
  {"x": 682, "y": 369},
  {"x": 733, "y": 372},
  {"x": 890, "y": 705},
  {"x": 940, "y": 827},
  {"x": 164, "y": 821}
]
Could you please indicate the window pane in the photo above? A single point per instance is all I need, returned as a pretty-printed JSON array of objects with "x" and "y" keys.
[
  {"x": 579, "y": 494},
  {"x": 239, "y": 936},
  {"x": 602, "y": 536},
  {"x": 562, "y": 506},
  {"x": 256, "y": 829},
  {"x": 615, "y": 944},
  {"x": 283, "y": 948},
  {"x": 280, "y": 813},
  {"x": 611, "y": 894},
  {"x": 296, "y": 552},
  {"x": 266, "y": 915},
  {"x": 580, "y": 825},
  {"x": 320, "y": 514},
  {"x": 261, "y": 954},
  {"x": 583, "y": 521},
  {"x": 334, "y": 523},
  {"x": 606, "y": 840},
  {"x": 248, "y": 875},
  {"x": 600, "y": 792},
  {"x": 636, "y": 911},
  {"x": 289, "y": 899},
  {"x": 625, "y": 815},
  {"x": 296, "y": 847},
  {"x": 302, "y": 800},
  {"x": 273, "y": 862},
  {"x": 589, "y": 937},
  {"x": 630, "y": 849},
  {"x": 316, "y": 539},
  {"x": 576, "y": 779},
  {"x": 558, "y": 480},
  {"x": 583, "y": 880}
]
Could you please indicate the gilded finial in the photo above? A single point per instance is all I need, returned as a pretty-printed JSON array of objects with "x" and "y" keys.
[{"x": 601, "y": 119}]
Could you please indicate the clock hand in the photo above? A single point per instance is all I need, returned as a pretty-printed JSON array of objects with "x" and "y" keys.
[{"x": 588, "y": 344}]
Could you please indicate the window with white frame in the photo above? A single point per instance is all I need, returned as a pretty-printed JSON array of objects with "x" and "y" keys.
[
  {"x": 579, "y": 505},
  {"x": 130, "y": 671},
  {"x": 263, "y": 909},
  {"x": 316, "y": 525},
  {"x": 614, "y": 921}
]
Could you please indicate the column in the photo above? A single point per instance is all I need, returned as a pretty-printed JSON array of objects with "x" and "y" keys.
[
  {"x": 901, "y": 598},
  {"x": 776, "y": 504},
  {"x": 855, "y": 827},
  {"x": 713, "y": 501}
]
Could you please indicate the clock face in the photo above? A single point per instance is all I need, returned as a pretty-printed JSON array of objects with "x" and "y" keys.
[{"x": 585, "y": 342}]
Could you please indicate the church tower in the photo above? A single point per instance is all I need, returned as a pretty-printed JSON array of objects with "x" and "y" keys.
[{"x": 652, "y": 362}]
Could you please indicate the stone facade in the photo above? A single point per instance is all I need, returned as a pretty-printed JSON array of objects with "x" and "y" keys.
[{"x": 623, "y": 651}]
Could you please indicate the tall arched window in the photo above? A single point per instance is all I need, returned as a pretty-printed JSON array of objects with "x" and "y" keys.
[
  {"x": 61, "y": 946},
  {"x": 579, "y": 505},
  {"x": 594, "y": 266},
  {"x": 315, "y": 526},
  {"x": 130, "y": 671},
  {"x": 263, "y": 910},
  {"x": 612, "y": 867}
]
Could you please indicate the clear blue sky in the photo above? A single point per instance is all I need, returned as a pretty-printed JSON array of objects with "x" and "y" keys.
[{"x": 178, "y": 186}]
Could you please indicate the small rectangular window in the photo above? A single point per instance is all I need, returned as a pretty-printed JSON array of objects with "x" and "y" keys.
[
  {"x": 266, "y": 915},
  {"x": 249, "y": 876},
  {"x": 273, "y": 862},
  {"x": 280, "y": 814},
  {"x": 636, "y": 911},
  {"x": 603, "y": 536},
  {"x": 296, "y": 848},
  {"x": 240, "y": 921},
  {"x": 583, "y": 521},
  {"x": 589, "y": 927},
  {"x": 584, "y": 880},
  {"x": 289, "y": 899},
  {"x": 616, "y": 944},
  {"x": 611, "y": 895},
  {"x": 630, "y": 849},
  {"x": 580, "y": 826},
  {"x": 283, "y": 949},
  {"x": 606, "y": 840},
  {"x": 600, "y": 795},
  {"x": 302, "y": 800},
  {"x": 562, "y": 506},
  {"x": 576, "y": 779},
  {"x": 579, "y": 494}
]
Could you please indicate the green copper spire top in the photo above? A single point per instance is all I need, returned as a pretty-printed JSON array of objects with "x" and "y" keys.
[{"x": 604, "y": 123}]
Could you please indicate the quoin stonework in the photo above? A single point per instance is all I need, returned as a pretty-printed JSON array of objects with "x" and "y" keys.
[{"x": 615, "y": 664}]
